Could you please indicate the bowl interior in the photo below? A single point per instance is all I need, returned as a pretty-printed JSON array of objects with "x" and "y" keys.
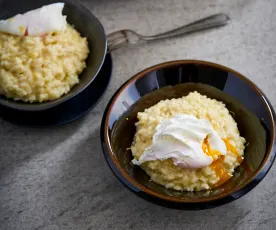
[
  {"x": 174, "y": 81},
  {"x": 86, "y": 24}
]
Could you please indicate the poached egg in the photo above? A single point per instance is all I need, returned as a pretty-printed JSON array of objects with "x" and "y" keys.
[
  {"x": 190, "y": 142},
  {"x": 36, "y": 22}
]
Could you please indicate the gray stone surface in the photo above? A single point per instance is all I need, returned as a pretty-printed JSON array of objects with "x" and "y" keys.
[{"x": 58, "y": 178}]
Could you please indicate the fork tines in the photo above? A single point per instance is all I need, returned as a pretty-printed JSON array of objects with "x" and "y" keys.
[{"x": 116, "y": 39}]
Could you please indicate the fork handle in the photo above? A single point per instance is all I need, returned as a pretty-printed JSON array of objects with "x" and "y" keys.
[{"x": 202, "y": 24}]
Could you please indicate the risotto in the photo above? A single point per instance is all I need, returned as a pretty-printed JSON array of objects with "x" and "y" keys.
[
  {"x": 38, "y": 69},
  {"x": 170, "y": 175}
]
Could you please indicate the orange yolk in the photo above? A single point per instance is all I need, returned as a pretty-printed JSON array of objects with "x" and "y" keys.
[
  {"x": 218, "y": 158},
  {"x": 208, "y": 151}
]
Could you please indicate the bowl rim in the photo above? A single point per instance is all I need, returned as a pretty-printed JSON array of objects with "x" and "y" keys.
[
  {"x": 136, "y": 187},
  {"x": 50, "y": 104}
]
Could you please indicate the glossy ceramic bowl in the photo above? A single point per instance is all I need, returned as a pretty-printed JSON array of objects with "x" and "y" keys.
[
  {"x": 252, "y": 111},
  {"x": 88, "y": 26}
]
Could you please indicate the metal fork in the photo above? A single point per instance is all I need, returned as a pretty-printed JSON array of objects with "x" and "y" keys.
[{"x": 121, "y": 38}]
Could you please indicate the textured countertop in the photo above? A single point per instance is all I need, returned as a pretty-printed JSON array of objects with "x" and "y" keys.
[{"x": 58, "y": 178}]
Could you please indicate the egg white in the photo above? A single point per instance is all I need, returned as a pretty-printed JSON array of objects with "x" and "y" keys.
[
  {"x": 36, "y": 22},
  {"x": 180, "y": 139}
]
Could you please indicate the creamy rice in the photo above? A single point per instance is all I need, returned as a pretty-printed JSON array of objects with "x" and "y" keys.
[
  {"x": 172, "y": 176},
  {"x": 37, "y": 69}
]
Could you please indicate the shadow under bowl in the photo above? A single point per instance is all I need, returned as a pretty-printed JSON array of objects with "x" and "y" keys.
[
  {"x": 87, "y": 25},
  {"x": 250, "y": 108}
]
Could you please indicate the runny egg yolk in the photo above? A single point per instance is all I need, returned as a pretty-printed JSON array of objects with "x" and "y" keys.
[
  {"x": 218, "y": 160},
  {"x": 208, "y": 151}
]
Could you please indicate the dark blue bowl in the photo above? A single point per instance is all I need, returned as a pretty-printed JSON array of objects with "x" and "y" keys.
[
  {"x": 86, "y": 24},
  {"x": 252, "y": 111}
]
